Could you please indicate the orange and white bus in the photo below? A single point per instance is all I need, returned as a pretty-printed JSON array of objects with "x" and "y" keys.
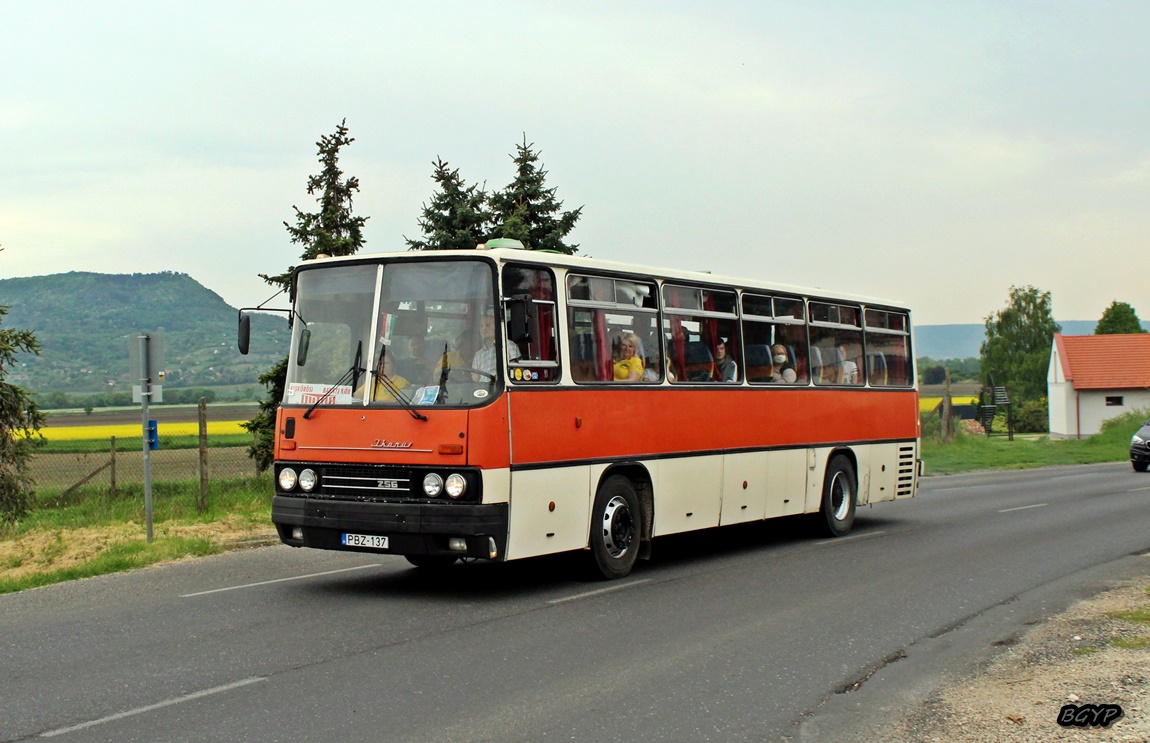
[{"x": 502, "y": 403}]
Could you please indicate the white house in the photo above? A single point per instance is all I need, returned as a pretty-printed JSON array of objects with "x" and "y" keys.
[{"x": 1093, "y": 378}]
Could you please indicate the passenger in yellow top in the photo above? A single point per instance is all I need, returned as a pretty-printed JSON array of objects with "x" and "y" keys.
[
  {"x": 380, "y": 390},
  {"x": 628, "y": 367}
]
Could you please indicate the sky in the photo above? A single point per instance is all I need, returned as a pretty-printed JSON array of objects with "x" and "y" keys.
[{"x": 926, "y": 152}]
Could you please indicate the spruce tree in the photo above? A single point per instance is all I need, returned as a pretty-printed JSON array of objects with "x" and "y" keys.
[
  {"x": 457, "y": 218},
  {"x": 332, "y": 230},
  {"x": 20, "y": 423},
  {"x": 1118, "y": 318},
  {"x": 528, "y": 211}
]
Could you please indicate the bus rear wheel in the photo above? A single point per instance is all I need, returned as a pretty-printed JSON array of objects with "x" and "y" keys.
[
  {"x": 840, "y": 491},
  {"x": 615, "y": 528}
]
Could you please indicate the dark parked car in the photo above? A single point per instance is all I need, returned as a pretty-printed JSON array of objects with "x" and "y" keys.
[{"x": 1140, "y": 448}]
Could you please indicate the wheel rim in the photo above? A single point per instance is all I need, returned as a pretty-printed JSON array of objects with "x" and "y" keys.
[
  {"x": 618, "y": 527},
  {"x": 840, "y": 496}
]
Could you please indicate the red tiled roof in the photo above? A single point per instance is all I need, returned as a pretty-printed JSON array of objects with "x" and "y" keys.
[{"x": 1105, "y": 362}]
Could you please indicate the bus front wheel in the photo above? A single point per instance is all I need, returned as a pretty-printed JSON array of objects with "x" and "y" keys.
[
  {"x": 615, "y": 527},
  {"x": 840, "y": 490}
]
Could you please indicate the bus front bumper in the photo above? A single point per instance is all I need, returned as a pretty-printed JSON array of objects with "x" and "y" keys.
[{"x": 410, "y": 528}]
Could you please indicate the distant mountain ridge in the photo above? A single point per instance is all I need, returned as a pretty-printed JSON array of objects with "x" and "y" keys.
[
  {"x": 84, "y": 321},
  {"x": 964, "y": 341}
]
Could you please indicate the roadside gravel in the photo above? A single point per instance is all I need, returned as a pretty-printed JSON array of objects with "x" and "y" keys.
[{"x": 1096, "y": 652}]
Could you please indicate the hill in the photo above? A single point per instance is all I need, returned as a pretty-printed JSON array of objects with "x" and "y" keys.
[{"x": 84, "y": 322}]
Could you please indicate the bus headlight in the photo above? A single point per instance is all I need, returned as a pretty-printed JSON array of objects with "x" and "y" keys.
[
  {"x": 287, "y": 479},
  {"x": 307, "y": 480},
  {"x": 456, "y": 485},
  {"x": 433, "y": 485}
]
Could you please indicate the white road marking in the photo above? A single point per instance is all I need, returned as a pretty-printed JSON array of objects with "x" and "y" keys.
[
  {"x": 1023, "y": 508},
  {"x": 151, "y": 707},
  {"x": 588, "y": 594},
  {"x": 852, "y": 538},
  {"x": 279, "y": 580},
  {"x": 1137, "y": 490}
]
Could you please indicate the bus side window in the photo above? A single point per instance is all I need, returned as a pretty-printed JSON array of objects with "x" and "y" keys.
[{"x": 529, "y": 299}]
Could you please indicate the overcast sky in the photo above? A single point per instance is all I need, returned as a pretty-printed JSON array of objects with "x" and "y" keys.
[{"x": 934, "y": 153}]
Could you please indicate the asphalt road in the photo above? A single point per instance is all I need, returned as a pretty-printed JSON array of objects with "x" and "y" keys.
[{"x": 758, "y": 633}]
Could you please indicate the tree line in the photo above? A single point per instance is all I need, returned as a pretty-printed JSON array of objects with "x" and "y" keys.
[{"x": 172, "y": 396}]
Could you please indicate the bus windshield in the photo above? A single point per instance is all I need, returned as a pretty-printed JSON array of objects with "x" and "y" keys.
[{"x": 394, "y": 334}]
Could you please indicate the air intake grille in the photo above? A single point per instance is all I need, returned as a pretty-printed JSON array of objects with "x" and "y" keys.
[
  {"x": 365, "y": 482},
  {"x": 906, "y": 465}
]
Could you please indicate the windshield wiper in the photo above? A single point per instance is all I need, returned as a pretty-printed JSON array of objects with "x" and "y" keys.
[
  {"x": 397, "y": 394},
  {"x": 351, "y": 375},
  {"x": 378, "y": 375},
  {"x": 444, "y": 373}
]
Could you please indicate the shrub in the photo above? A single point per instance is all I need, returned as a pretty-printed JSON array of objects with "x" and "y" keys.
[{"x": 1032, "y": 417}]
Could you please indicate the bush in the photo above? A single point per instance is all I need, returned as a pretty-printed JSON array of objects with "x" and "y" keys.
[
  {"x": 1032, "y": 416},
  {"x": 1120, "y": 429}
]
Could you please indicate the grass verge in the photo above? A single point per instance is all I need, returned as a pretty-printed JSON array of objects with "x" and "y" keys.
[
  {"x": 89, "y": 533},
  {"x": 969, "y": 452}
]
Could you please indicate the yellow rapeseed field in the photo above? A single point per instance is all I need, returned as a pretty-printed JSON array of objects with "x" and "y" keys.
[
  {"x": 127, "y": 431},
  {"x": 928, "y": 404}
]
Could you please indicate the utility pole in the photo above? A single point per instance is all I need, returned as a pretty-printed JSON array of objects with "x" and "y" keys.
[
  {"x": 146, "y": 358},
  {"x": 145, "y": 393}
]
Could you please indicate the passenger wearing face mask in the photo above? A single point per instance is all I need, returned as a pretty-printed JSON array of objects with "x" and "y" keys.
[{"x": 784, "y": 370}]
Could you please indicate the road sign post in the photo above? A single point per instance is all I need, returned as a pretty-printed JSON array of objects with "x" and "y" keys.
[{"x": 146, "y": 358}]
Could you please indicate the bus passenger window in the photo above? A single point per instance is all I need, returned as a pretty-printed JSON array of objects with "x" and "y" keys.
[
  {"x": 702, "y": 334},
  {"x": 888, "y": 348},
  {"x": 612, "y": 325}
]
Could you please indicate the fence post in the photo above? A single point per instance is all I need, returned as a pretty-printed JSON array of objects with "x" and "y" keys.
[
  {"x": 112, "y": 486},
  {"x": 947, "y": 412},
  {"x": 202, "y": 503}
]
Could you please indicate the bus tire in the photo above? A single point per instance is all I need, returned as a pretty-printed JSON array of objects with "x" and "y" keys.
[
  {"x": 840, "y": 493},
  {"x": 615, "y": 522},
  {"x": 431, "y": 562}
]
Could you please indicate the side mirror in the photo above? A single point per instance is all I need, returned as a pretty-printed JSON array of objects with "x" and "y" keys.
[
  {"x": 521, "y": 318},
  {"x": 304, "y": 342},
  {"x": 245, "y": 333}
]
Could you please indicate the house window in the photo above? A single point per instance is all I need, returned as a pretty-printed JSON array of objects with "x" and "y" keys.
[{"x": 1114, "y": 401}]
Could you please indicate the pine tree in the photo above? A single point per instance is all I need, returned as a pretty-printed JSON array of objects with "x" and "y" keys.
[
  {"x": 1119, "y": 318},
  {"x": 333, "y": 230},
  {"x": 20, "y": 422},
  {"x": 1016, "y": 352},
  {"x": 457, "y": 218},
  {"x": 528, "y": 211}
]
